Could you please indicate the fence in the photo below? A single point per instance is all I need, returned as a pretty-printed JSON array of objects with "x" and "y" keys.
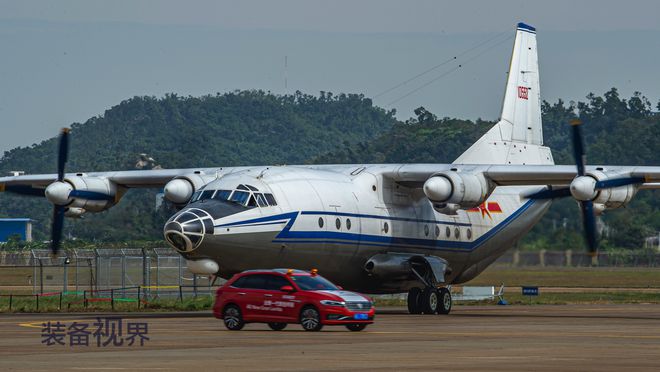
[
  {"x": 162, "y": 271},
  {"x": 570, "y": 258},
  {"x": 157, "y": 271}
]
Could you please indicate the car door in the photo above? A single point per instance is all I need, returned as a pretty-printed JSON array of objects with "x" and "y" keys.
[
  {"x": 282, "y": 306},
  {"x": 250, "y": 296}
]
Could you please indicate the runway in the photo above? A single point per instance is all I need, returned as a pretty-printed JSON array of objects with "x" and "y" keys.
[{"x": 499, "y": 338}]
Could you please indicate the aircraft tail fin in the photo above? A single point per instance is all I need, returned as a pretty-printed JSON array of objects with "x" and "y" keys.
[{"x": 518, "y": 137}]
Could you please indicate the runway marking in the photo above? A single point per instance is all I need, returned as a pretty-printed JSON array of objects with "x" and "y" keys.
[
  {"x": 512, "y": 334},
  {"x": 38, "y": 324}
]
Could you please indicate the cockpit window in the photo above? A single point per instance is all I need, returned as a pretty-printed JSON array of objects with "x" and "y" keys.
[
  {"x": 252, "y": 202},
  {"x": 222, "y": 195},
  {"x": 261, "y": 201},
  {"x": 240, "y": 197},
  {"x": 244, "y": 195},
  {"x": 206, "y": 194},
  {"x": 270, "y": 199}
]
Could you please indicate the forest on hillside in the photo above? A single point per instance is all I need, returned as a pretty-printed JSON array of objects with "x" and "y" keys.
[{"x": 255, "y": 127}]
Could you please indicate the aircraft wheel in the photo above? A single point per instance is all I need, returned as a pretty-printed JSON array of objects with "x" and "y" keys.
[
  {"x": 233, "y": 318},
  {"x": 414, "y": 296},
  {"x": 430, "y": 301},
  {"x": 445, "y": 301},
  {"x": 277, "y": 326}
]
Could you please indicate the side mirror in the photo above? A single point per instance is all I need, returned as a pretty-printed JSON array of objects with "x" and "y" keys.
[{"x": 287, "y": 288}]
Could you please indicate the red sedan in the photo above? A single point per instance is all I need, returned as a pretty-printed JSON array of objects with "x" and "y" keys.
[{"x": 279, "y": 297}]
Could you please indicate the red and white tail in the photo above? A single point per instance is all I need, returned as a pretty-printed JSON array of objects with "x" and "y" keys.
[{"x": 518, "y": 137}]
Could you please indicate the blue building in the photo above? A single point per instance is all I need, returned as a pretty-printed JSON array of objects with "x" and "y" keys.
[{"x": 15, "y": 226}]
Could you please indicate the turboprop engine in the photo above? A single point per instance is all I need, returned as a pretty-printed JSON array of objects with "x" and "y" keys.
[
  {"x": 589, "y": 187},
  {"x": 179, "y": 190},
  {"x": 451, "y": 191},
  {"x": 80, "y": 194}
]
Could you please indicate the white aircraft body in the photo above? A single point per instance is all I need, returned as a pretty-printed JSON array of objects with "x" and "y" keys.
[{"x": 376, "y": 228}]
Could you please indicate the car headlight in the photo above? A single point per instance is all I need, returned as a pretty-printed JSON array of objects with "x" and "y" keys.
[{"x": 333, "y": 303}]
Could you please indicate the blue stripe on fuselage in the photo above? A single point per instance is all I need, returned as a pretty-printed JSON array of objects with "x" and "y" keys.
[{"x": 288, "y": 236}]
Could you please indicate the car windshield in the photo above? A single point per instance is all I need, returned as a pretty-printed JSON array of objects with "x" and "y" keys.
[{"x": 313, "y": 283}]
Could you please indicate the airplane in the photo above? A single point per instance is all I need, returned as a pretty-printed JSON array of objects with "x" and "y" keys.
[{"x": 374, "y": 228}]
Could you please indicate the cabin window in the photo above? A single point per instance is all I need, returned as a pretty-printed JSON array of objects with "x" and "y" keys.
[
  {"x": 321, "y": 223},
  {"x": 348, "y": 224},
  {"x": 437, "y": 231},
  {"x": 386, "y": 227},
  {"x": 448, "y": 232},
  {"x": 338, "y": 223},
  {"x": 426, "y": 230},
  {"x": 469, "y": 234},
  {"x": 457, "y": 233}
]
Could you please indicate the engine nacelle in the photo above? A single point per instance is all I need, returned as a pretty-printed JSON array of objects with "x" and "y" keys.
[
  {"x": 584, "y": 188},
  {"x": 93, "y": 194},
  {"x": 179, "y": 190},
  {"x": 449, "y": 191}
]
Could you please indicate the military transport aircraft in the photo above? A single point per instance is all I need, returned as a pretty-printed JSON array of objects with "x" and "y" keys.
[{"x": 375, "y": 228}]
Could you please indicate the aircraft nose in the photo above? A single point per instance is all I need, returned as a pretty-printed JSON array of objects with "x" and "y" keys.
[{"x": 186, "y": 229}]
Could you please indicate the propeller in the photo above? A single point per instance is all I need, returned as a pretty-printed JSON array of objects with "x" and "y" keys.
[
  {"x": 59, "y": 210},
  {"x": 586, "y": 206},
  {"x": 582, "y": 195}
]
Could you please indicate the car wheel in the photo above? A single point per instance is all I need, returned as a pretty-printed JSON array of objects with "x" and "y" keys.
[
  {"x": 356, "y": 327},
  {"x": 277, "y": 326},
  {"x": 430, "y": 300},
  {"x": 233, "y": 318},
  {"x": 414, "y": 295},
  {"x": 310, "y": 319},
  {"x": 445, "y": 301}
]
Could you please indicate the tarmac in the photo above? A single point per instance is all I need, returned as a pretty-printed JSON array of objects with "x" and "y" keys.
[{"x": 498, "y": 338}]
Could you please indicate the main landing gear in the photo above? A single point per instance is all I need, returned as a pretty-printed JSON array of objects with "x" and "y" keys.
[{"x": 429, "y": 300}]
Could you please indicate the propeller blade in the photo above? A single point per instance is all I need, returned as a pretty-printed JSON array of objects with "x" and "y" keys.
[
  {"x": 550, "y": 193},
  {"x": 589, "y": 223},
  {"x": 616, "y": 182},
  {"x": 63, "y": 153},
  {"x": 578, "y": 147},
  {"x": 56, "y": 228},
  {"x": 58, "y": 211}
]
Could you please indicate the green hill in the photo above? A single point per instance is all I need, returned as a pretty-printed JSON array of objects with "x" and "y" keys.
[
  {"x": 253, "y": 127},
  {"x": 240, "y": 128}
]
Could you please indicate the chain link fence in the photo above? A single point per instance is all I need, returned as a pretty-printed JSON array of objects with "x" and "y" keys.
[{"x": 161, "y": 272}]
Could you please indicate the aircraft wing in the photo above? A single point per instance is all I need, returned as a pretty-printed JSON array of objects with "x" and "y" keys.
[
  {"x": 414, "y": 175},
  {"x": 129, "y": 179},
  {"x": 504, "y": 175}
]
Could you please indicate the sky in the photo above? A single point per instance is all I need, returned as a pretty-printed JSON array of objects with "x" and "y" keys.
[{"x": 66, "y": 61}]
